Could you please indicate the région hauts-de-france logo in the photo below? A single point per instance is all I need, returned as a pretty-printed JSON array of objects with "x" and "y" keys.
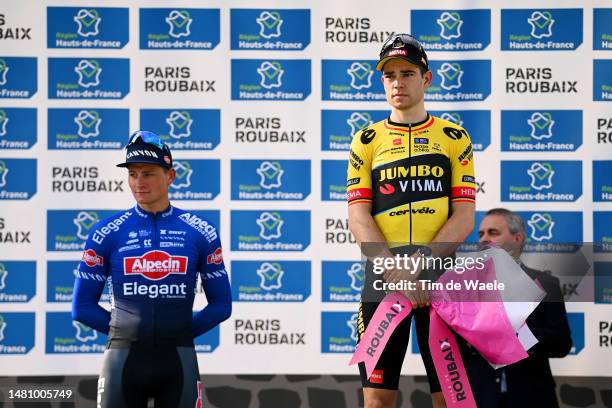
[
  {"x": 361, "y": 75},
  {"x": 180, "y": 124},
  {"x": 270, "y": 224},
  {"x": 450, "y": 25},
  {"x": 450, "y": 74},
  {"x": 179, "y": 22},
  {"x": 541, "y": 23},
  {"x": 270, "y": 23},
  {"x": 541, "y": 175},
  {"x": 88, "y": 123},
  {"x": 270, "y": 275},
  {"x": 541, "y": 226},
  {"x": 88, "y": 22}
]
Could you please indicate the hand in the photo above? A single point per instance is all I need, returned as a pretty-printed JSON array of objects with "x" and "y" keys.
[
  {"x": 408, "y": 271},
  {"x": 418, "y": 297}
]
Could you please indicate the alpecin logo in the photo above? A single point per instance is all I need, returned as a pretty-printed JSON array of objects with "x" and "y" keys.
[{"x": 155, "y": 265}]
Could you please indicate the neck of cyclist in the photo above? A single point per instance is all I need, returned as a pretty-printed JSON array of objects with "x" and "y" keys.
[{"x": 412, "y": 114}]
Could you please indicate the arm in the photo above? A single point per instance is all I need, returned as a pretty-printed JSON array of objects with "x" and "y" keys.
[
  {"x": 85, "y": 307},
  {"x": 455, "y": 230},
  {"x": 365, "y": 230}
]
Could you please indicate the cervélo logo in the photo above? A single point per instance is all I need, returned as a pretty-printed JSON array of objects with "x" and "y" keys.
[
  {"x": 333, "y": 180},
  {"x": 456, "y": 81},
  {"x": 100, "y": 27},
  {"x": 17, "y": 281},
  {"x": 18, "y": 77},
  {"x": 342, "y": 281},
  {"x": 264, "y": 29},
  {"x": 270, "y": 281},
  {"x": 88, "y": 78},
  {"x": 602, "y": 186},
  {"x": 83, "y": 129},
  {"x": 541, "y": 130},
  {"x": 184, "y": 129},
  {"x": 541, "y": 29},
  {"x": 554, "y": 180},
  {"x": 477, "y": 122},
  {"x": 155, "y": 265},
  {"x": 63, "y": 335},
  {"x": 179, "y": 29},
  {"x": 602, "y": 236},
  {"x": 338, "y": 332},
  {"x": 602, "y": 80},
  {"x": 351, "y": 80},
  {"x": 270, "y": 230},
  {"x": 17, "y": 179},
  {"x": 16, "y": 332},
  {"x": 339, "y": 126},
  {"x": 17, "y": 128},
  {"x": 270, "y": 79},
  {"x": 602, "y": 32},
  {"x": 452, "y": 30},
  {"x": 270, "y": 179},
  {"x": 185, "y": 187}
]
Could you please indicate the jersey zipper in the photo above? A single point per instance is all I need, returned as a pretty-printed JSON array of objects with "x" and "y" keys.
[
  {"x": 154, "y": 247},
  {"x": 409, "y": 163}
]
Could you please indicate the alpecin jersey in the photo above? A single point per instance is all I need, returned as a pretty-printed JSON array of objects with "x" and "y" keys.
[{"x": 411, "y": 173}]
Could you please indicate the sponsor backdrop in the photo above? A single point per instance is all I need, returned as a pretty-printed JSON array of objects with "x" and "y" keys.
[{"x": 259, "y": 105}]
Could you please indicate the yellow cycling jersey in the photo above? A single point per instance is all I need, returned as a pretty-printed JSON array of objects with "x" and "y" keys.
[{"x": 411, "y": 173}]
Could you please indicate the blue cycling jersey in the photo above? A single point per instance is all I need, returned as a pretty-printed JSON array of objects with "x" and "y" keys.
[{"x": 150, "y": 263}]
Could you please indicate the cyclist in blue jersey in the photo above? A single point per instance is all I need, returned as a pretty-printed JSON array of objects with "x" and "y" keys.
[{"x": 150, "y": 257}]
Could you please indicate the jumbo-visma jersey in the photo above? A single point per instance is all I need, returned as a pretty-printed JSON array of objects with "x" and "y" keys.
[{"x": 411, "y": 174}]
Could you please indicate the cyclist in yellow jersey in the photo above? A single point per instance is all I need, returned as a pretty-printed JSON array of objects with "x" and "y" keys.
[{"x": 410, "y": 190}]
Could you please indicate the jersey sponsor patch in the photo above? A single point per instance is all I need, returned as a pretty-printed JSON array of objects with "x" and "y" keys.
[
  {"x": 215, "y": 258},
  {"x": 453, "y": 133},
  {"x": 367, "y": 136},
  {"x": 463, "y": 192},
  {"x": 376, "y": 377},
  {"x": 468, "y": 179},
  {"x": 359, "y": 194},
  {"x": 155, "y": 265},
  {"x": 92, "y": 259}
]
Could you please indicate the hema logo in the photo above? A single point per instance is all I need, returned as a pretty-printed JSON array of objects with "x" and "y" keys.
[
  {"x": 185, "y": 129},
  {"x": 541, "y": 29},
  {"x": 270, "y": 281},
  {"x": 18, "y": 77},
  {"x": 338, "y": 332},
  {"x": 452, "y": 30},
  {"x": 184, "y": 186},
  {"x": 453, "y": 81},
  {"x": 339, "y": 126},
  {"x": 75, "y": 27},
  {"x": 179, "y": 29},
  {"x": 16, "y": 332},
  {"x": 101, "y": 78},
  {"x": 270, "y": 230},
  {"x": 541, "y": 180},
  {"x": 270, "y": 179},
  {"x": 477, "y": 122},
  {"x": 541, "y": 130},
  {"x": 87, "y": 128},
  {"x": 282, "y": 30},
  {"x": 17, "y": 179},
  {"x": 18, "y": 128},
  {"x": 350, "y": 80},
  {"x": 270, "y": 79}
]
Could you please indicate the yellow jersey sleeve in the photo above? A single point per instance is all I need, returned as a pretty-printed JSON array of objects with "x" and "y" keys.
[
  {"x": 463, "y": 182},
  {"x": 359, "y": 174}
]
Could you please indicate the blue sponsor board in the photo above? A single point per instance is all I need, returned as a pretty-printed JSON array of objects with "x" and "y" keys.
[
  {"x": 270, "y": 281},
  {"x": 60, "y": 281},
  {"x": 67, "y": 230},
  {"x": 476, "y": 122},
  {"x": 87, "y": 27},
  {"x": 471, "y": 242},
  {"x": 179, "y": 29},
  {"x": 207, "y": 342},
  {"x": 184, "y": 129},
  {"x": 64, "y": 335},
  {"x": 552, "y": 180},
  {"x": 603, "y": 282},
  {"x": 17, "y": 281},
  {"x": 602, "y": 31},
  {"x": 16, "y": 332},
  {"x": 270, "y": 29},
  {"x": 338, "y": 332},
  {"x": 279, "y": 80},
  {"x": 188, "y": 184},
  {"x": 602, "y": 184},
  {"x": 351, "y": 80},
  {"x": 88, "y": 78},
  {"x": 17, "y": 179},
  {"x": 270, "y": 179},
  {"x": 541, "y": 29},
  {"x": 333, "y": 180},
  {"x": 602, "y": 231},
  {"x": 270, "y": 230},
  {"x": 17, "y": 128},
  {"x": 576, "y": 324},
  {"x": 339, "y": 126},
  {"x": 602, "y": 80},
  {"x": 459, "y": 81},
  {"x": 87, "y": 128},
  {"x": 18, "y": 77},
  {"x": 541, "y": 130},
  {"x": 452, "y": 30},
  {"x": 342, "y": 281}
]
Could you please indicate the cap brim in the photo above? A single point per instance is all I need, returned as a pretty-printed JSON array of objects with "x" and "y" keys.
[
  {"x": 143, "y": 161},
  {"x": 382, "y": 62}
]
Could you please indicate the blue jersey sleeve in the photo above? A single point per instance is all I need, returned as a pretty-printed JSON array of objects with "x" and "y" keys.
[
  {"x": 89, "y": 284},
  {"x": 216, "y": 286}
]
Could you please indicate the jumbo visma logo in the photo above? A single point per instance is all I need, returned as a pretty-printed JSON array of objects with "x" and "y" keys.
[
  {"x": 100, "y": 27},
  {"x": 184, "y": 129},
  {"x": 452, "y": 30},
  {"x": 260, "y": 29},
  {"x": 17, "y": 281},
  {"x": 602, "y": 183},
  {"x": 541, "y": 180},
  {"x": 186, "y": 185},
  {"x": 454, "y": 81},
  {"x": 270, "y": 179},
  {"x": 18, "y": 77},
  {"x": 63, "y": 335},
  {"x": 67, "y": 230},
  {"x": 333, "y": 180},
  {"x": 17, "y": 179},
  {"x": 100, "y": 78},
  {"x": 351, "y": 80},
  {"x": 552, "y": 231},
  {"x": 87, "y": 128},
  {"x": 338, "y": 332},
  {"x": 541, "y": 130},
  {"x": 17, "y": 128},
  {"x": 16, "y": 332},
  {"x": 477, "y": 122},
  {"x": 270, "y": 281},
  {"x": 339, "y": 126},
  {"x": 602, "y": 80},
  {"x": 270, "y": 230},
  {"x": 179, "y": 29},
  {"x": 541, "y": 29},
  {"x": 342, "y": 281},
  {"x": 270, "y": 79}
]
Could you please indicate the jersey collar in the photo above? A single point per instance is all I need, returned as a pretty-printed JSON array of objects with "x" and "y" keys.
[
  {"x": 428, "y": 121},
  {"x": 146, "y": 214}
]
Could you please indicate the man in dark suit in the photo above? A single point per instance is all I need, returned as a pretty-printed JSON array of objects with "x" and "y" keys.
[{"x": 529, "y": 382}]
